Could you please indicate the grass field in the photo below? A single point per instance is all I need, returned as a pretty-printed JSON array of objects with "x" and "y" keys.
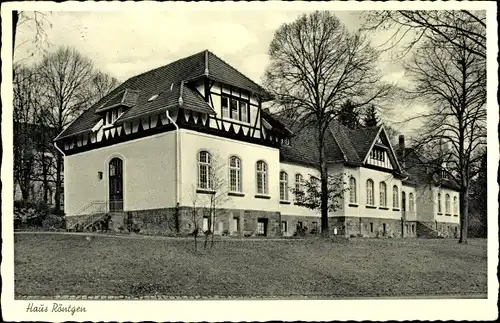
[{"x": 50, "y": 264}]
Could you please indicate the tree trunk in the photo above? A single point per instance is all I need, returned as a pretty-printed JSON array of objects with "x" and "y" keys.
[
  {"x": 59, "y": 161},
  {"x": 464, "y": 216}
]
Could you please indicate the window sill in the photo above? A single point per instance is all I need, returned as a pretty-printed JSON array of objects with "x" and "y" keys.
[
  {"x": 439, "y": 213},
  {"x": 235, "y": 194},
  {"x": 455, "y": 214},
  {"x": 285, "y": 202},
  {"x": 396, "y": 209},
  {"x": 262, "y": 196},
  {"x": 371, "y": 207},
  {"x": 448, "y": 214},
  {"x": 353, "y": 205},
  {"x": 205, "y": 191},
  {"x": 383, "y": 207}
]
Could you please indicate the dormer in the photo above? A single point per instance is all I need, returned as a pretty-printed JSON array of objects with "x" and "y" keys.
[{"x": 115, "y": 107}]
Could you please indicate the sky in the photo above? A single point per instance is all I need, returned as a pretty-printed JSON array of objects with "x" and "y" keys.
[{"x": 126, "y": 43}]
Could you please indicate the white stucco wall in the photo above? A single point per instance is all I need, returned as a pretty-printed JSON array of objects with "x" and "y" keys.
[
  {"x": 443, "y": 217},
  {"x": 410, "y": 215},
  {"x": 148, "y": 174},
  {"x": 221, "y": 149},
  {"x": 361, "y": 175}
]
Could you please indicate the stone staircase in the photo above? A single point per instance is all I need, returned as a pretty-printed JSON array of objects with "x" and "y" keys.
[{"x": 427, "y": 230}]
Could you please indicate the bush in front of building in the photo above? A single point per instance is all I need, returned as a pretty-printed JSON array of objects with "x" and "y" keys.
[{"x": 30, "y": 215}]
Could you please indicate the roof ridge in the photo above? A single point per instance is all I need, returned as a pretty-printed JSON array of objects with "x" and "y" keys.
[{"x": 230, "y": 66}]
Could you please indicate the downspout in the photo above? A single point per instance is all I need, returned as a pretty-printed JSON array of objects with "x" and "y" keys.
[
  {"x": 64, "y": 155},
  {"x": 177, "y": 159}
]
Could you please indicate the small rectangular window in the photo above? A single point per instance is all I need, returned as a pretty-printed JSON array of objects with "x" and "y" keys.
[
  {"x": 236, "y": 224},
  {"x": 244, "y": 111},
  {"x": 284, "y": 226},
  {"x": 234, "y": 109},
  {"x": 371, "y": 227},
  {"x": 225, "y": 107}
]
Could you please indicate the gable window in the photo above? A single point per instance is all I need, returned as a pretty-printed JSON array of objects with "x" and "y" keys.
[
  {"x": 235, "y": 174},
  {"x": 447, "y": 202},
  {"x": 411, "y": 203},
  {"x": 395, "y": 197},
  {"x": 383, "y": 194},
  {"x": 352, "y": 190},
  {"x": 283, "y": 186},
  {"x": 299, "y": 182},
  {"x": 204, "y": 170},
  {"x": 235, "y": 107},
  {"x": 370, "y": 196},
  {"x": 440, "y": 210},
  {"x": 261, "y": 177},
  {"x": 112, "y": 116},
  {"x": 455, "y": 205},
  {"x": 377, "y": 154}
]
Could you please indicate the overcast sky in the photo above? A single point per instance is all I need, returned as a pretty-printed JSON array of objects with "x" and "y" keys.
[{"x": 126, "y": 43}]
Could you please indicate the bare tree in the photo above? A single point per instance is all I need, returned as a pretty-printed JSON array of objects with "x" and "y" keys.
[
  {"x": 315, "y": 66},
  {"x": 442, "y": 26},
  {"x": 450, "y": 78},
  {"x": 64, "y": 75},
  {"x": 100, "y": 85},
  {"x": 26, "y": 87},
  {"x": 194, "y": 217},
  {"x": 36, "y": 20}
]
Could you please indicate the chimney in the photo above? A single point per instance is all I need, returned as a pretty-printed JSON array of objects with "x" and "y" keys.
[{"x": 401, "y": 150}]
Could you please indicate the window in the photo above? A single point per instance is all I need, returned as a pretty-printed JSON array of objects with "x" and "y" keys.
[
  {"x": 235, "y": 108},
  {"x": 383, "y": 194},
  {"x": 299, "y": 182},
  {"x": 447, "y": 201},
  {"x": 284, "y": 226},
  {"x": 283, "y": 186},
  {"x": 395, "y": 197},
  {"x": 261, "y": 177},
  {"x": 244, "y": 111},
  {"x": 384, "y": 229},
  {"x": 204, "y": 170},
  {"x": 370, "y": 198},
  {"x": 225, "y": 106},
  {"x": 413, "y": 228},
  {"x": 411, "y": 203},
  {"x": 112, "y": 115},
  {"x": 315, "y": 225},
  {"x": 299, "y": 224},
  {"x": 205, "y": 223},
  {"x": 352, "y": 190},
  {"x": 236, "y": 224},
  {"x": 235, "y": 174},
  {"x": 371, "y": 227},
  {"x": 261, "y": 227},
  {"x": 439, "y": 203},
  {"x": 455, "y": 205}
]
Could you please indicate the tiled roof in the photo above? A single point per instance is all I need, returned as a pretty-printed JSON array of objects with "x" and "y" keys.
[{"x": 165, "y": 82}]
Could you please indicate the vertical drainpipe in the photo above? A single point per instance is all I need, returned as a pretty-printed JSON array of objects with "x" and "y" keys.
[
  {"x": 177, "y": 160},
  {"x": 64, "y": 155}
]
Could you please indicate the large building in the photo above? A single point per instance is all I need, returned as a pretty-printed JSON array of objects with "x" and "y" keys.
[{"x": 176, "y": 138}]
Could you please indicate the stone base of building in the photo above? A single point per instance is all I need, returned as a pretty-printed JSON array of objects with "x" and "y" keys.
[
  {"x": 372, "y": 227},
  {"x": 184, "y": 221},
  {"x": 432, "y": 229}
]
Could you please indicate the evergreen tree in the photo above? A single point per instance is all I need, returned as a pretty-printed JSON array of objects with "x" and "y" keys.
[
  {"x": 371, "y": 118},
  {"x": 349, "y": 116}
]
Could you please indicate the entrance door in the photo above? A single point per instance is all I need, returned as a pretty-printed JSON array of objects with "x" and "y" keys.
[
  {"x": 116, "y": 185},
  {"x": 403, "y": 201},
  {"x": 262, "y": 227}
]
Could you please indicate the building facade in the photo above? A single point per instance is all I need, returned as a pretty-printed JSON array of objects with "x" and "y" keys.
[{"x": 189, "y": 145}]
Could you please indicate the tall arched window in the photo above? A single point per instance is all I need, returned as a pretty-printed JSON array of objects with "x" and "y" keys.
[
  {"x": 440, "y": 210},
  {"x": 352, "y": 190},
  {"x": 299, "y": 183},
  {"x": 395, "y": 197},
  {"x": 234, "y": 174},
  {"x": 447, "y": 202},
  {"x": 383, "y": 194},
  {"x": 261, "y": 177},
  {"x": 411, "y": 202},
  {"x": 455, "y": 205},
  {"x": 283, "y": 186},
  {"x": 370, "y": 194},
  {"x": 204, "y": 170}
]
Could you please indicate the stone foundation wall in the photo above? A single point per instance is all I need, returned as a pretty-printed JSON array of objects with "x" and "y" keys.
[
  {"x": 372, "y": 227},
  {"x": 308, "y": 222},
  {"x": 433, "y": 229}
]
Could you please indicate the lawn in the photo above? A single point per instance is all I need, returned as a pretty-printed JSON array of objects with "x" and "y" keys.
[{"x": 51, "y": 264}]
